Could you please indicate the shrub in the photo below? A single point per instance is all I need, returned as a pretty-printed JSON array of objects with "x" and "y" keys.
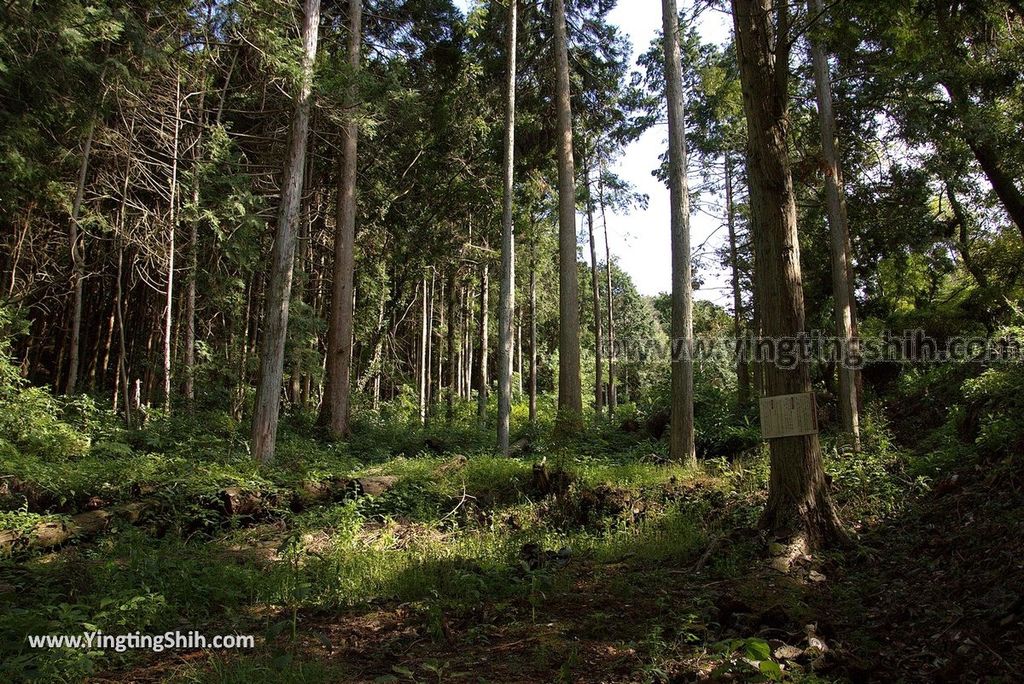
[{"x": 29, "y": 416}]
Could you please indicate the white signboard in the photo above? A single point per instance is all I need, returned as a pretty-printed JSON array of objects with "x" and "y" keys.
[{"x": 788, "y": 415}]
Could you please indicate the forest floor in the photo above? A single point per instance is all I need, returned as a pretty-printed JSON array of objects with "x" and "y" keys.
[{"x": 596, "y": 567}]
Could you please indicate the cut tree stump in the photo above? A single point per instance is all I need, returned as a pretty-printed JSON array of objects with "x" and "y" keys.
[{"x": 546, "y": 482}]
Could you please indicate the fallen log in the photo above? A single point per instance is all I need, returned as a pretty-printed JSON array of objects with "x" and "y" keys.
[
  {"x": 235, "y": 502},
  {"x": 16, "y": 494},
  {"x": 317, "y": 492},
  {"x": 54, "y": 533},
  {"x": 339, "y": 489},
  {"x": 374, "y": 486},
  {"x": 231, "y": 502}
]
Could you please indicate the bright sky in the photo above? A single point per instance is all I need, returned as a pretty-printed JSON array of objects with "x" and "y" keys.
[{"x": 640, "y": 240}]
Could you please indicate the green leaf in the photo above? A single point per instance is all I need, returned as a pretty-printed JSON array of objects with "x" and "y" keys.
[
  {"x": 771, "y": 670},
  {"x": 757, "y": 649}
]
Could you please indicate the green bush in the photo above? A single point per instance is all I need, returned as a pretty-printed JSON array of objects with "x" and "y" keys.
[
  {"x": 993, "y": 412},
  {"x": 29, "y": 420}
]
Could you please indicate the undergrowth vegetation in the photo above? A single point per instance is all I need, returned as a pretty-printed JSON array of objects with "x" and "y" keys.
[
  {"x": 444, "y": 543},
  {"x": 457, "y": 539}
]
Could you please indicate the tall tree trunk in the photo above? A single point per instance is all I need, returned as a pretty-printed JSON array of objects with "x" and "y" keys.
[
  {"x": 101, "y": 365},
  {"x": 431, "y": 301},
  {"x": 742, "y": 363},
  {"x": 757, "y": 331},
  {"x": 595, "y": 296},
  {"x": 282, "y": 260},
  {"x": 122, "y": 371},
  {"x": 172, "y": 220},
  {"x": 570, "y": 398},
  {"x": 467, "y": 341},
  {"x": 519, "y": 352},
  {"x": 373, "y": 367},
  {"x": 460, "y": 381},
  {"x": 151, "y": 376},
  {"x": 842, "y": 267},
  {"x": 482, "y": 380},
  {"x": 507, "y": 295},
  {"x": 424, "y": 356},
  {"x": 799, "y": 507},
  {"x": 336, "y": 407},
  {"x": 533, "y": 327},
  {"x": 302, "y": 237},
  {"x": 16, "y": 251},
  {"x": 190, "y": 311},
  {"x": 77, "y": 263},
  {"x": 612, "y": 398},
  {"x": 438, "y": 304},
  {"x": 681, "y": 436},
  {"x": 193, "y": 262},
  {"x": 452, "y": 351},
  {"x": 122, "y": 360}
]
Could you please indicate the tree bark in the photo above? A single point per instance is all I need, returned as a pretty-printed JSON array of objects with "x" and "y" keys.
[
  {"x": 101, "y": 365},
  {"x": 799, "y": 507},
  {"x": 335, "y": 410},
  {"x": 842, "y": 266},
  {"x": 595, "y": 296},
  {"x": 423, "y": 350},
  {"x": 506, "y": 304},
  {"x": 172, "y": 220},
  {"x": 122, "y": 371},
  {"x": 570, "y": 399},
  {"x": 428, "y": 395},
  {"x": 482, "y": 380},
  {"x": 77, "y": 264},
  {"x": 519, "y": 352},
  {"x": 612, "y": 398},
  {"x": 122, "y": 360},
  {"x": 742, "y": 364},
  {"x": 282, "y": 261},
  {"x": 452, "y": 351},
  {"x": 373, "y": 368},
  {"x": 465, "y": 364},
  {"x": 438, "y": 304},
  {"x": 756, "y": 365},
  {"x": 533, "y": 326},
  {"x": 193, "y": 262},
  {"x": 681, "y": 436},
  {"x": 463, "y": 358}
]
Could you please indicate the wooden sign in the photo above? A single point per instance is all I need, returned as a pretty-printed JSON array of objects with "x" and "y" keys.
[{"x": 788, "y": 415}]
